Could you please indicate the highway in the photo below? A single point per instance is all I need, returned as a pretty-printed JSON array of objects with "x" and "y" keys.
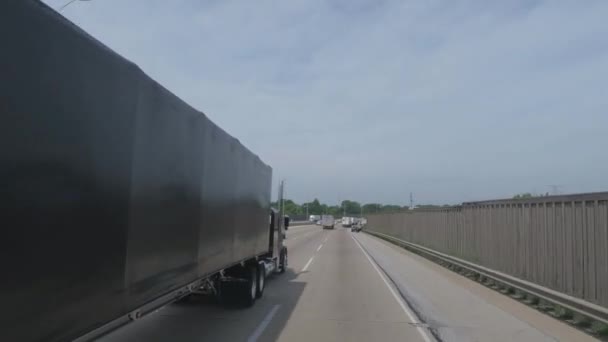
[{"x": 343, "y": 286}]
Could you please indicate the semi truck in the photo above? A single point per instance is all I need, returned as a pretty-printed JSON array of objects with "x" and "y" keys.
[{"x": 117, "y": 196}]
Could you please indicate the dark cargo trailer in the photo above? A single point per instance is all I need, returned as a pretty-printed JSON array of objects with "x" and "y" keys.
[{"x": 116, "y": 196}]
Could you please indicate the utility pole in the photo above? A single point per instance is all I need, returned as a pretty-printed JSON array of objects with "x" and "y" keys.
[{"x": 306, "y": 204}]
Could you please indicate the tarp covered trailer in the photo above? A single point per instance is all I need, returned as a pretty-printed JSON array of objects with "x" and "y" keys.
[{"x": 114, "y": 192}]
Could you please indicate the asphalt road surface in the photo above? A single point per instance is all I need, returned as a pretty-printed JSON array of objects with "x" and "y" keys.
[{"x": 343, "y": 286}]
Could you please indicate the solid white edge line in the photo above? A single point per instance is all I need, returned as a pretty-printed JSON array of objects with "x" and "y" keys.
[
  {"x": 263, "y": 324},
  {"x": 318, "y": 249},
  {"x": 398, "y": 298},
  {"x": 308, "y": 263}
]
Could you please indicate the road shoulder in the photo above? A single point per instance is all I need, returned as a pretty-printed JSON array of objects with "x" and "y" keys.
[{"x": 462, "y": 307}]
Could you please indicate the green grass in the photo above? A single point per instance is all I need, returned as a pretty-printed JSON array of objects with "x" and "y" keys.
[
  {"x": 600, "y": 329},
  {"x": 562, "y": 313}
]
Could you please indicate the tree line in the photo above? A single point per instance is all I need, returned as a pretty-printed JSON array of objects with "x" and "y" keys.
[
  {"x": 347, "y": 208},
  {"x": 527, "y": 195},
  {"x": 354, "y": 208}
]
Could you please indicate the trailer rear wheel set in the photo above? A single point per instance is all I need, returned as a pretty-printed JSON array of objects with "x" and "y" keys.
[
  {"x": 242, "y": 285},
  {"x": 240, "y": 288}
]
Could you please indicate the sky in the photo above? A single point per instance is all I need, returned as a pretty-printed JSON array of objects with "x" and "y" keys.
[{"x": 370, "y": 100}]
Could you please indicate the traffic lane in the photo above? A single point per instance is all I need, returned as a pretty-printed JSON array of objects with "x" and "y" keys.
[
  {"x": 299, "y": 223},
  {"x": 200, "y": 318},
  {"x": 459, "y": 309},
  {"x": 344, "y": 299},
  {"x": 301, "y": 230},
  {"x": 297, "y": 233},
  {"x": 303, "y": 226},
  {"x": 302, "y": 246}
]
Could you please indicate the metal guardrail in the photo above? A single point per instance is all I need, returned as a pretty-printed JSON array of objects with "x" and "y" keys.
[{"x": 581, "y": 307}]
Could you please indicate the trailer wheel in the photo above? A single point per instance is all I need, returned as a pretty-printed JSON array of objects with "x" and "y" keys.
[
  {"x": 224, "y": 292},
  {"x": 261, "y": 280},
  {"x": 241, "y": 291}
]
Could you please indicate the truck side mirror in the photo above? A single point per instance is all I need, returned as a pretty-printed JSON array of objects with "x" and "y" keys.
[{"x": 286, "y": 222}]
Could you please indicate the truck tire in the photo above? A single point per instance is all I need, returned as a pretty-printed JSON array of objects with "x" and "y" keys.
[
  {"x": 248, "y": 289},
  {"x": 225, "y": 292},
  {"x": 242, "y": 291},
  {"x": 261, "y": 280},
  {"x": 283, "y": 260}
]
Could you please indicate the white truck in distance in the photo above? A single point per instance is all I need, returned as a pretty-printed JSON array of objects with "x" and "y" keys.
[
  {"x": 327, "y": 221},
  {"x": 348, "y": 221}
]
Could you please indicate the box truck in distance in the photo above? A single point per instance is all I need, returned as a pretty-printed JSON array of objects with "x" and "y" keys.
[
  {"x": 348, "y": 221},
  {"x": 327, "y": 221},
  {"x": 117, "y": 196}
]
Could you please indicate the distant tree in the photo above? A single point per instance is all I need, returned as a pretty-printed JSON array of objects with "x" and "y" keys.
[
  {"x": 334, "y": 210},
  {"x": 371, "y": 208},
  {"x": 523, "y": 196},
  {"x": 351, "y": 207},
  {"x": 324, "y": 209},
  {"x": 291, "y": 208},
  {"x": 390, "y": 207},
  {"x": 314, "y": 207},
  {"x": 427, "y": 206}
]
